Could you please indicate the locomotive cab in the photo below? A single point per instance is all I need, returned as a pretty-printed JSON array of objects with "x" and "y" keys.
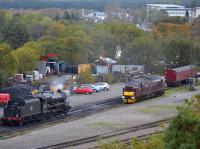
[
  {"x": 128, "y": 95},
  {"x": 12, "y": 111},
  {"x": 19, "y": 110}
]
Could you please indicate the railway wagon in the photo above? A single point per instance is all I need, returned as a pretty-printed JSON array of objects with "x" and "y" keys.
[
  {"x": 177, "y": 76},
  {"x": 36, "y": 107},
  {"x": 143, "y": 88}
]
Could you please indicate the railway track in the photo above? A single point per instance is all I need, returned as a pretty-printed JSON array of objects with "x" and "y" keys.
[
  {"x": 108, "y": 135},
  {"x": 74, "y": 114}
]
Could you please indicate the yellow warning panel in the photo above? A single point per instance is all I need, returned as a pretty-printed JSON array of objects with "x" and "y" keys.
[{"x": 128, "y": 93}]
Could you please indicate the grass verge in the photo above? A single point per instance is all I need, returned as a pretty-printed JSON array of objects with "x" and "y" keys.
[{"x": 157, "y": 108}]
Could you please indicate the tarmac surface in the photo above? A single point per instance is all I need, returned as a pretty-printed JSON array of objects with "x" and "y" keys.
[
  {"x": 80, "y": 99},
  {"x": 104, "y": 122}
]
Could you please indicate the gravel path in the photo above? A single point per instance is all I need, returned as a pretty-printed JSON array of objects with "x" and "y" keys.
[{"x": 108, "y": 121}]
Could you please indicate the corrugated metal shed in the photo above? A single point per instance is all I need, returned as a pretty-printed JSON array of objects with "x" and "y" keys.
[
  {"x": 101, "y": 69},
  {"x": 129, "y": 68}
]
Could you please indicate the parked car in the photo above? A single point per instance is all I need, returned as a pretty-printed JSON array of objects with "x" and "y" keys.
[
  {"x": 93, "y": 86},
  {"x": 73, "y": 89},
  {"x": 103, "y": 86},
  {"x": 84, "y": 90}
]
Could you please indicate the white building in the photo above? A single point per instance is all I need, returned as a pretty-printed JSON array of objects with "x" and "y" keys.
[
  {"x": 97, "y": 16},
  {"x": 173, "y": 10}
]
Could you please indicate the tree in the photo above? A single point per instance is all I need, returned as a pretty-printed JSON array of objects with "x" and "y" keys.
[
  {"x": 26, "y": 58},
  {"x": 7, "y": 61},
  {"x": 16, "y": 33},
  {"x": 178, "y": 52},
  {"x": 55, "y": 29},
  {"x": 141, "y": 50},
  {"x": 4, "y": 49},
  {"x": 66, "y": 15},
  {"x": 187, "y": 16},
  {"x": 86, "y": 78},
  {"x": 173, "y": 20},
  {"x": 3, "y": 76},
  {"x": 9, "y": 64},
  {"x": 5, "y": 18},
  {"x": 170, "y": 31},
  {"x": 36, "y": 31},
  {"x": 73, "y": 50}
]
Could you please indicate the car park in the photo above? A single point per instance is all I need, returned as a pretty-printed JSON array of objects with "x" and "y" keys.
[
  {"x": 84, "y": 90},
  {"x": 95, "y": 88},
  {"x": 103, "y": 86}
]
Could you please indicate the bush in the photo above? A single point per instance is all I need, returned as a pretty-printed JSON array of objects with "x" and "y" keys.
[
  {"x": 184, "y": 130},
  {"x": 86, "y": 78},
  {"x": 154, "y": 142}
]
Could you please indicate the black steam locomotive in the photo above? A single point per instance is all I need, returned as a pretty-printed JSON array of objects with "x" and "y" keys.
[{"x": 35, "y": 107}]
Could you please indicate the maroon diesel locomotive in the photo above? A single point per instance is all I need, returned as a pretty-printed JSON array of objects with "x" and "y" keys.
[{"x": 143, "y": 88}]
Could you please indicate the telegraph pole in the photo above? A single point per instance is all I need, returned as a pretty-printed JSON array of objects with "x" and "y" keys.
[
  {"x": 193, "y": 32},
  {"x": 193, "y": 45}
]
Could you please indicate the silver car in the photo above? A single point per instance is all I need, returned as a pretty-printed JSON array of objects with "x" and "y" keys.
[{"x": 103, "y": 86}]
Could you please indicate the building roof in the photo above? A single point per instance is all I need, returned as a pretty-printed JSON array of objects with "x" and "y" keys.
[
  {"x": 165, "y": 6},
  {"x": 146, "y": 80},
  {"x": 184, "y": 68}
]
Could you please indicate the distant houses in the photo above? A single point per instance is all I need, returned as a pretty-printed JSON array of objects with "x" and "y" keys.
[
  {"x": 96, "y": 16},
  {"x": 101, "y": 16}
]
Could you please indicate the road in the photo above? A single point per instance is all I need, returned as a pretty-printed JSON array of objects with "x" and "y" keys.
[{"x": 97, "y": 124}]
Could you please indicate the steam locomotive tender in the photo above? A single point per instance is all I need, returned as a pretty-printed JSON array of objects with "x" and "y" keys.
[
  {"x": 143, "y": 88},
  {"x": 36, "y": 107}
]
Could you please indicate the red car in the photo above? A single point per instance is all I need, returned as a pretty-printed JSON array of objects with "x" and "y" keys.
[
  {"x": 84, "y": 90},
  {"x": 4, "y": 98}
]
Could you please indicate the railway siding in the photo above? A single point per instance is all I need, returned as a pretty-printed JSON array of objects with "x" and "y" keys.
[{"x": 123, "y": 117}]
